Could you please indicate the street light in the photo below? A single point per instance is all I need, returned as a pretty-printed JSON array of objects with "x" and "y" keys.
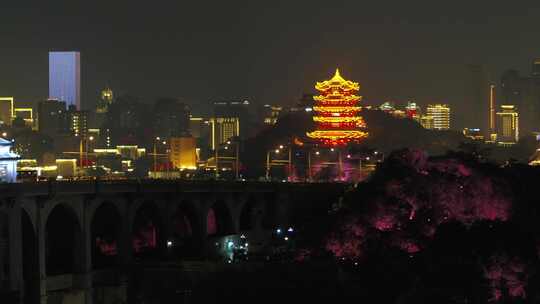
[
  {"x": 277, "y": 151},
  {"x": 236, "y": 158},
  {"x": 155, "y": 153},
  {"x": 90, "y": 139}
]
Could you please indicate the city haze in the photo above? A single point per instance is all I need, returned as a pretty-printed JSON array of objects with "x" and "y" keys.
[{"x": 269, "y": 53}]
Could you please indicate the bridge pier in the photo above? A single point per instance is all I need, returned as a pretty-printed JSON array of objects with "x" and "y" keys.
[
  {"x": 40, "y": 233},
  {"x": 15, "y": 247}
]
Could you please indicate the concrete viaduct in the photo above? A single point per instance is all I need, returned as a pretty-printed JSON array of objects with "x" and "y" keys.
[{"x": 61, "y": 242}]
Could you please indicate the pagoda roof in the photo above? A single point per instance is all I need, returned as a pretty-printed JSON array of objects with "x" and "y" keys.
[{"x": 337, "y": 82}]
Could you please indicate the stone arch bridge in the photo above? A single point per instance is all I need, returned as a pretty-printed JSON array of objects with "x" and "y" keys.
[{"x": 59, "y": 241}]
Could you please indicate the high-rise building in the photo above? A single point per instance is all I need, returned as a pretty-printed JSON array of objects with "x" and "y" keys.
[
  {"x": 183, "y": 153},
  {"x": 524, "y": 93},
  {"x": 440, "y": 114},
  {"x": 6, "y": 110},
  {"x": 507, "y": 125},
  {"x": 239, "y": 110},
  {"x": 171, "y": 118},
  {"x": 52, "y": 117},
  {"x": 197, "y": 126},
  {"x": 223, "y": 129},
  {"x": 65, "y": 77},
  {"x": 78, "y": 122}
]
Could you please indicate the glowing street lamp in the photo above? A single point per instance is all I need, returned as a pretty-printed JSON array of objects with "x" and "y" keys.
[
  {"x": 155, "y": 153},
  {"x": 90, "y": 139}
]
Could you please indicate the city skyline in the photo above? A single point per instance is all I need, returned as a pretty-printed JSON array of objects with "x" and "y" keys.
[{"x": 214, "y": 61}]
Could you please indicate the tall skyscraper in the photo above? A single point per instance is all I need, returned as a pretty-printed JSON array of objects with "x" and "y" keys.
[
  {"x": 65, "y": 77},
  {"x": 6, "y": 110},
  {"x": 507, "y": 125},
  {"x": 441, "y": 116}
]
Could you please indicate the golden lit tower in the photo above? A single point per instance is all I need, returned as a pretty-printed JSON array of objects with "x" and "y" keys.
[{"x": 336, "y": 112}]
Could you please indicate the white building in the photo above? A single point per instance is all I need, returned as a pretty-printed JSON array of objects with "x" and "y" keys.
[{"x": 8, "y": 162}]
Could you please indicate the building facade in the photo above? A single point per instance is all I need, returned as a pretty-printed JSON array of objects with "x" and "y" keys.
[
  {"x": 271, "y": 114},
  {"x": 183, "y": 153},
  {"x": 440, "y": 114},
  {"x": 78, "y": 122},
  {"x": 223, "y": 129},
  {"x": 8, "y": 162},
  {"x": 52, "y": 117},
  {"x": 427, "y": 122},
  {"x": 65, "y": 77},
  {"x": 235, "y": 112},
  {"x": 27, "y": 114},
  {"x": 507, "y": 125},
  {"x": 171, "y": 118},
  {"x": 524, "y": 93}
]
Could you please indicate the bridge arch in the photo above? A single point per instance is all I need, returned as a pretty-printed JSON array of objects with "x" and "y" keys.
[
  {"x": 4, "y": 247},
  {"x": 63, "y": 241},
  {"x": 250, "y": 214},
  {"x": 270, "y": 212},
  {"x": 186, "y": 228},
  {"x": 105, "y": 235},
  {"x": 30, "y": 258},
  {"x": 146, "y": 229},
  {"x": 219, "y": 219}
]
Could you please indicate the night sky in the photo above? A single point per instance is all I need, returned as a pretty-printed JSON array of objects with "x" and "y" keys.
[{"x": 265, "y": 51}]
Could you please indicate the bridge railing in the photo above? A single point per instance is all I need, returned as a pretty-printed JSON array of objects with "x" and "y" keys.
[{"x": 51, "y": 188}]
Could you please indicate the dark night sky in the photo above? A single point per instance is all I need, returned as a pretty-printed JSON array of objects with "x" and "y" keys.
[{"x": 267, "y": 51}]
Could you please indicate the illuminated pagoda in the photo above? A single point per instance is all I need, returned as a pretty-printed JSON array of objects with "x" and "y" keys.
[{"x": 336, "y": 112}]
